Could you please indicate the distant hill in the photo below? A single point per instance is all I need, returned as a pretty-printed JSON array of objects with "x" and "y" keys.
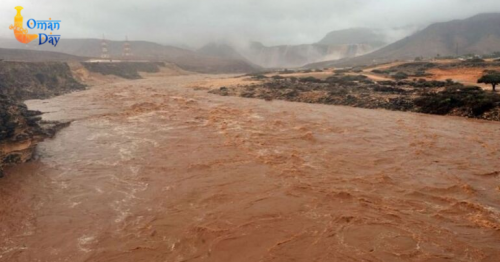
[
  {"x": 476, "y": 35},
  {"x": 37, "y": 56},
  {"x": 220, "y": 50},
  {"x": 335, "y": 45},
  {"x": 354, "y": 36},
  {"x": 185, "y": 59}
]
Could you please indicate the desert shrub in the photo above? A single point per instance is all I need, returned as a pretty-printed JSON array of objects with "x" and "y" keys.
[
  {"x": 472, "y": 100},
  {"x": 415, "y": 65},
  {"x": 357, "y": 70},
  {"x": 348, "y": 79},
  {"x": 400, "y": 76},
  {"x": 388, "y": 89},
  {"x": 420, "y": 73},
  {"x": 354, "y": 77},
  {"x": 475, "y": 60},
  {"x": 387, "y": 83},
  {"x": 286, "y": 71},
  {"x": 422, "y": 83},
  {"x": 383, "y": 72},
  {"x": 259, "y": 77},
  {"x": 277, "y": 77},
  {"x": 310, "y": 79},
  {"x": 341, "y": 71}
]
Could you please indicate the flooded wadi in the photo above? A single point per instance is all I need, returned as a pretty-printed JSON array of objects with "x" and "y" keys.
[{"x": 156, "y": 170}]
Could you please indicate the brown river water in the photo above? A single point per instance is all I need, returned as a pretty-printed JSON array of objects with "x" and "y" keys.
[{"x": 151, "y": 170}]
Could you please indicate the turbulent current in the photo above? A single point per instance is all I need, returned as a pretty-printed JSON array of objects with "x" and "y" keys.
[{"x": 154, "y": 170}]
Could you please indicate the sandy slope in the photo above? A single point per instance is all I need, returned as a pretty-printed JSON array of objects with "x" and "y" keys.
[{"x": 154, "y": 170}]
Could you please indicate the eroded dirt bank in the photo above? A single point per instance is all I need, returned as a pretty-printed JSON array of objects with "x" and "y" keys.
[{"x": 153, "y": 171}]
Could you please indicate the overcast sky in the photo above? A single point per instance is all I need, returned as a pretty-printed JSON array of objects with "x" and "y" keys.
[{"x": 269, "y": 21}]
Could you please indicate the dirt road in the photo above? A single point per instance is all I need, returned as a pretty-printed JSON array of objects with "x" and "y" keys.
[{"x": 151, "y": 170}]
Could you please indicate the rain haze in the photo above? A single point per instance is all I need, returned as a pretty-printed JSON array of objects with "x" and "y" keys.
[{"x": 195, "y": 23}]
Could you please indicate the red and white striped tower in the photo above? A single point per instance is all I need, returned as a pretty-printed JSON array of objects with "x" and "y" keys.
[
  {"x": 127, "y": 51},
  {"x": 104, "y": 48}
]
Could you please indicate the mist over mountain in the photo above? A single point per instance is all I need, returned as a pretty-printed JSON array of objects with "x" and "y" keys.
[
  {"x": 220, "y": 50},
  {"x": 354, "y": 36},
  {"x": 479, "y": 35},
  {"x": 335, "y": 45},
  {"x": 37, "y": 56}
]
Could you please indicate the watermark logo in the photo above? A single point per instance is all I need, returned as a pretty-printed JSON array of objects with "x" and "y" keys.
[{"x": 22, "y": 35}]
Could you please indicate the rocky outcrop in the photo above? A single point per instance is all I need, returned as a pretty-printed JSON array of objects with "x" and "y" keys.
[
  {"x": 430, "y": 97},
  {"x": 22, "y": 80},
  {"x": 142, "y": 50},
  {"x": 20, "y": 132},
  {"x": 128, "y": 70},
  {"x": 299, "y": 55},
  {"x": 22, "y": 129}
]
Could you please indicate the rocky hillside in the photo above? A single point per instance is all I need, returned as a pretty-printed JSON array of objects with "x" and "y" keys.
[
  {"x": 335, "y": 45},
  {"x": 22, "y": 129},
  {"x": 19, "y": 132},
  {"x": 220, "y": 50},
  {"x": 143, "y": 50},
  {"x": 476, "y": 35},
  {"x": 37, "y": 56},
  {"x": 21, "y": 80},
  {"x": 351, "y": 36},
  {"x": 128, "y": 70}
]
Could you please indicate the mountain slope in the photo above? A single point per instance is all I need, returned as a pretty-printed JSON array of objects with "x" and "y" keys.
[
  {"x": 476, "y": 35},
  {"x": 221, "y": 51},
  {"x": 335, "y": 45},
  {"x": 36, "y": 56},
  {"x": 354, "y": 36},
  {"x": 185, "y": 59}
]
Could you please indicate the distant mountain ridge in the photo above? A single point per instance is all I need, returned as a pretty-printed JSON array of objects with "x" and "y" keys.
[
  {"x": 335, "y": 45},
  {"x": 479, "y": 35},
  {"x": 37, "y": 56},
  {"x": 220, "y": 50},
  {"x": 354, "y": 36},
  {"x": 185, "y": 59}
]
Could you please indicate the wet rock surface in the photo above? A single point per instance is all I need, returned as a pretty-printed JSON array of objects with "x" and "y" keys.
[
  {"x": 20, "y": 132},
  {"x": 22, "y": 129},
  {"x": 431, "y": 97}
]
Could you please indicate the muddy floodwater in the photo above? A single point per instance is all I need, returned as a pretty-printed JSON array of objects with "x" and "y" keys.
[{"x": 153, "y": 170}]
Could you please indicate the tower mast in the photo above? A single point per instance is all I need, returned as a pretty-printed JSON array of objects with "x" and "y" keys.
[
  {"x": 127, "y": 53},
  {"x": 104, "y": 48}
]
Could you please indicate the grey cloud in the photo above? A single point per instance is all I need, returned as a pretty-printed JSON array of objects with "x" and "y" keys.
[{"x": 271, "y": 22}]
